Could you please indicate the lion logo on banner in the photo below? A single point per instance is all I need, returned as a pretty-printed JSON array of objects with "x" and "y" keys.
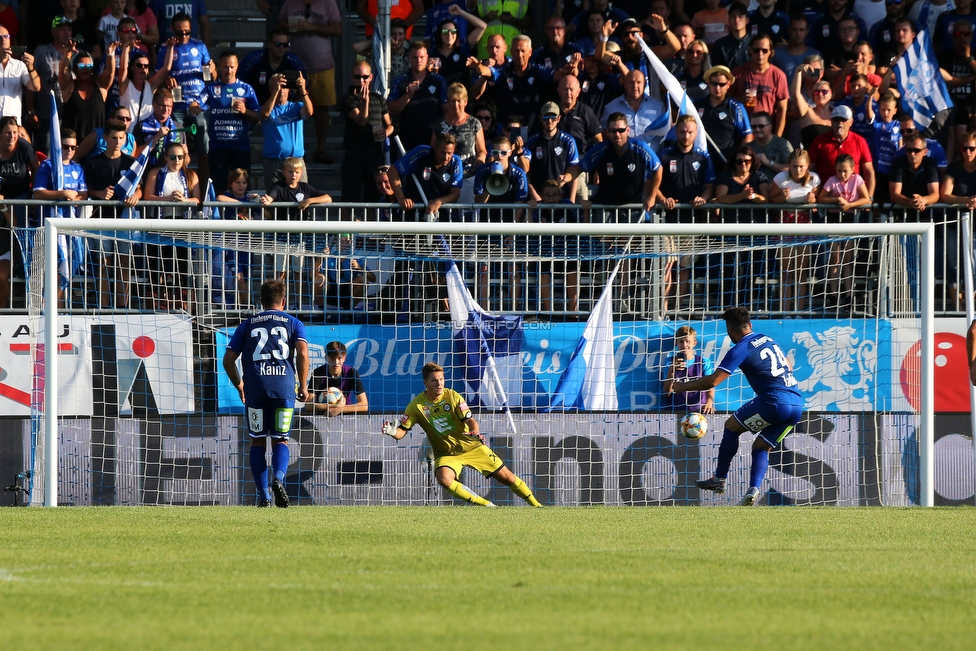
[{"x": 835, "y": 355}]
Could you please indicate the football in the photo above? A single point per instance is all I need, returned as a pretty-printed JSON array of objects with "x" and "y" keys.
[
  {"x": 332, "y": 396},
  {"x": 693, "y": 426}
]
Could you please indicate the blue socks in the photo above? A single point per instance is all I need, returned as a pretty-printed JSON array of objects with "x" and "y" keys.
[
  {"x": 760, "y": 462},
  {"x": 280, "y": 456},
  {"x": 726, "y": 452},
  {"x": 259, "y": 468}
]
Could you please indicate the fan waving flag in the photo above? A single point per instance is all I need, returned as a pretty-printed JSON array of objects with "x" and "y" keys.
[
  {"x": 590, "y": 379},
  {"x": 688, "y": 108},
  {"x": 673, "y": 86},
  {"x": 132, "y": 177},
  {"x": 487, "y": 347},
  {"x": 923, "y": 91}
]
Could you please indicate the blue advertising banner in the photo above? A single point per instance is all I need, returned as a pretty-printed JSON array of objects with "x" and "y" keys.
[{"x": 840, "y": 365}]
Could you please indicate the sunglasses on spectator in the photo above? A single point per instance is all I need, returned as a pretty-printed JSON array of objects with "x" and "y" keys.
[
  {"x": 63, "y": 146},
  {"x": 761, "y": 126},
  {"x": 185, "y": 32},
  {"x": 718, "y": 84},
  {"x": 176, "y": 157},
  {"x": 636, "y": 33},
  {"x": 86, "y": 66},
  {"x": 760, "y": 50},
  {"x": 501, "y": 152},
  {"x": 124, "y": 118},
  {"x": 484, "y": 118},
  {"x": 624, "y": 130},
  {"x": 743, "y": 161},
  {"x": 361, "y": 77},
  {"x": 550, "y": 117},
  {"x": 281, "y": 46},
  {"x": 966, "y": 34},
  {"x": 128, "y": 30},
  {"x": 449, "y": 31},
  {"x": 915, "y": 150},
  {"x": 908, "y": 131},
  {"x": 968, "y": 148},
  {"x": 141, "y": 66},
  {"x": 5, "y": 37},
  {"x": 822, "y": 91}
]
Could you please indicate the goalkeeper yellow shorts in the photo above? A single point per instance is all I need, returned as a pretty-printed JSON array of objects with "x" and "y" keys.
[{"x": 481, "y": 459}]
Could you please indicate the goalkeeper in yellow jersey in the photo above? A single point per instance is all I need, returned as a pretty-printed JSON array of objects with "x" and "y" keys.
[{"x": 455, "y": 439}]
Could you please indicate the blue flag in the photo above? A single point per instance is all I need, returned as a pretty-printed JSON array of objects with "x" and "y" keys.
[
  {"x": 487, "y": 347},
  {"x": 923, "y": 91},
  {"x": 590, "y": 379}
]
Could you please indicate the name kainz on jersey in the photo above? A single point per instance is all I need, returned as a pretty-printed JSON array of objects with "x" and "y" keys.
[
  {"x": 271, "y": 369},
  {"x": 261, "y": 318}
]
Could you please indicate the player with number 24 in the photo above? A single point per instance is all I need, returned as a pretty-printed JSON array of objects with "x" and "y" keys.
[{"x": 774, "y": 411}]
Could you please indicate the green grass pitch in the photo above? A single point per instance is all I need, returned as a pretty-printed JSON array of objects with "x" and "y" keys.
[{"x": 471, "y": 578}]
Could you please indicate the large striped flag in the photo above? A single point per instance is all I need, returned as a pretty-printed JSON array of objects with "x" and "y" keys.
[
  {"x": 923, "y": 91},
  {"x": 71, "y": 250},
  {"x": 688, "y": 108},
  {"x": 132, "y": 177},
  {"x": 488, "y": 348},
  {"x": 590, "y": 379},
  {"x": 673, "y": 86}
]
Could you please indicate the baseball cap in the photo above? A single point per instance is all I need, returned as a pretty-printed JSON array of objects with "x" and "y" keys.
[
  {"x": 59, "y": 21},
  {"x": 842, "y": 113},
  {"x": 550, "y": 108},
  {"x": 719, "y": 70},
  {"x": 628, "y": 23}
]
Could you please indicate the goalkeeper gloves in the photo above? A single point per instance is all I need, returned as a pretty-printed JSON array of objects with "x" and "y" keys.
[{"x": 389, "y": 429}]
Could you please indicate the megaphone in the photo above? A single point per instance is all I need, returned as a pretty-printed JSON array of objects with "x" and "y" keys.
[
  {"x": 497, "y": 183},
  {"x": 192, "y": 130}
]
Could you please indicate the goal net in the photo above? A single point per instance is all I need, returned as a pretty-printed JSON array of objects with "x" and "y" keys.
[{"x": 561, "y": 332}]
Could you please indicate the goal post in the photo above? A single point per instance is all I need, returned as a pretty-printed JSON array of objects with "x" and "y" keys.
[{"x": 484, "y": 253}]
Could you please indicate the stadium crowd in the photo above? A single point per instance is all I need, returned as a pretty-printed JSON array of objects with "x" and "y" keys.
[{"x": 800, "y": 102}]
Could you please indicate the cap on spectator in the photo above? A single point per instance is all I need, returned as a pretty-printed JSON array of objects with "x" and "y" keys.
[
  {"x": 842, "y": 113},
  {"x": 550, "y": 108},
  {"x": 719, "y": 70},
  {"x": 59, "y": 21},
  {"x": 628, "y": 23}
]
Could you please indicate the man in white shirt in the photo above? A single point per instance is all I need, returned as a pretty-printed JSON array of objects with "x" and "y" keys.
[
  {"x": 641, "y": 110},
  {"x": 15, "y": 76}
]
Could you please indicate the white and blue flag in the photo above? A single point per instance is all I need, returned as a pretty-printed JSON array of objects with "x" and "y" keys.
[
  {"x": 688, "y": 108},
  {"x": 487, "y": 347},
  {"x": 923, "y": 91},
  {"x": 590, "y": 379},
  {"x": 673, "y": 86}
]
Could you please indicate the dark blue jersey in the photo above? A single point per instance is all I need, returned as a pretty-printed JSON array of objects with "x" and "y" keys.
[
  {"x": 266, "y": 343},
  {"x": 766, "y": 368},
  {"x": 622, "y": 175},
  {"x": 228, "y": 129},
  {"x": 436, "y": 181}
]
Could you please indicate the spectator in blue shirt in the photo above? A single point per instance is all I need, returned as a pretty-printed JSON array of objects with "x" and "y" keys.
[
  {"x": 233, "y": 105},
  {"x": 191, "y": 70},
  {"x": 73, "y": 188},
  {"x": 282, "y": 122}
]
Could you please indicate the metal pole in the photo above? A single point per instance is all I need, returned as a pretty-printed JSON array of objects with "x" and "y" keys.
[
  {"x": 50, "y": 350},
  {"x": 966, "y": 224},
  {"x": 927, "y": 390}
]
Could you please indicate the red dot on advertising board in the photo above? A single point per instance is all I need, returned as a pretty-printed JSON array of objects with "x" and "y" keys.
[
  {"x": 951, "y": 373},
  {"x": 143, "y": 346}
]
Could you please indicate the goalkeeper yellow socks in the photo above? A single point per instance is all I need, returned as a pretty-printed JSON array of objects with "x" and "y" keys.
[
  {"x": 520, "y": 489},
  {"x": 458, "y": 490}
]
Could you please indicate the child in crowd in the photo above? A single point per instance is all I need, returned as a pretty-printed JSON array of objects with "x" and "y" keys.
[
  {"x": 885, "y": 140},
  {"x": 230, "y": 269},
  {"x": 683, "y": 364},
  {"x": 291, "y": 189},
  {"x": 862, "y": 106},
  {"x": 849, "y": 191},
  {"x": 796, "y": 185}
]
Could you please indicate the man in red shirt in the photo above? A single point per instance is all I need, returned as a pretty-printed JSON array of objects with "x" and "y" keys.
[
  {"x": 826, "y": 147},
  {"x": 761, "y": 86}
]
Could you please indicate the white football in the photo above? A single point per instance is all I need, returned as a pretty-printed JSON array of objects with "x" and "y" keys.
[
  {"x": 331, "y": 396},
  {"x": 693, "y": 426}
]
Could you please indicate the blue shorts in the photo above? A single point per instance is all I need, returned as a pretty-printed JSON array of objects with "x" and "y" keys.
[
  {"x": 771, "y": 420},
  {"x": 272, "y": 418}
]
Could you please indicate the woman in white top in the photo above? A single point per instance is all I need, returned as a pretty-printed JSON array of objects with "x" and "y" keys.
[
  {"x": 795, "y": 185},
  {"x": 136, "y": 87}
]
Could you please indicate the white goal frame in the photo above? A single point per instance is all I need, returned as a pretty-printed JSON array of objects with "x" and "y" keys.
[{"x": 54, "y": 227}]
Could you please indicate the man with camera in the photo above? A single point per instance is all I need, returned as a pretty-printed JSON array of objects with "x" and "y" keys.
[
  {"x": 259, "y": 66},
  {"x": 368, "y": 125},
  {"x": 282, "y": 121},
  {"x": 47, "y": 59},
  {"x": 16, "y": 74}
]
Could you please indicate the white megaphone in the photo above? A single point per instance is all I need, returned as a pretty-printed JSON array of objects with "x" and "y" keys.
[{"x": 497, "y": 183}]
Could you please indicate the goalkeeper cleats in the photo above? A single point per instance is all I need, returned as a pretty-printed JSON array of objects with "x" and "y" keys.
[
  {"x": 280, "y": 496},
  {"x": 491, "y": 505},
  {"x": 750, "y": 498},
  {"x": 263, "y": 503},
  {"x": 713, "y": 484}
]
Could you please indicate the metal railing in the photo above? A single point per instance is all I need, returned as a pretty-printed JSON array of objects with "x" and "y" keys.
[{"x": 401, "y": 276}]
